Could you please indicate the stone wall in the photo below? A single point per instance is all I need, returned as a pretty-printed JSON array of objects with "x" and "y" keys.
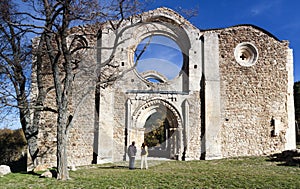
[
  {"x": 81, "y": 134},
  {"x": 119, "y": 126},
  {"x": 195, "y": 136},
  {"x": 253, "y": 96},
  {"x": 82, "y": 107}
]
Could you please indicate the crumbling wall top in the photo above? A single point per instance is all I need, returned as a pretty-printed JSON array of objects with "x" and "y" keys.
[{"x": 250, "y": 26}]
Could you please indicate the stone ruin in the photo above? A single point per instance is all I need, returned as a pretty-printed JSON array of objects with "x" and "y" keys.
[{"x": 233, "y": 94}]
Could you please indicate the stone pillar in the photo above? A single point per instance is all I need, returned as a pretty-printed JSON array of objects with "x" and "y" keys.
[
  {"x": 106, "y": 129},
  {"x": 290, "y": 132},
  {"x": 186, "y": 128},
  {"x": 212, "y": 96},
  {"x": 128, "y": 127},
  {"x": 180, "y": 139}
]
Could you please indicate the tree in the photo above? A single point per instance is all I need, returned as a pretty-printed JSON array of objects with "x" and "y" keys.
[
  {"x": 15, "y": 72},
  {"x": 62, "y": 53},
  {"x": 57, "y": 17}
]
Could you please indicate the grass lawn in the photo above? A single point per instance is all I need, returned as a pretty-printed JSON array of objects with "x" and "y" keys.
[{"x": 248, "y": 172}]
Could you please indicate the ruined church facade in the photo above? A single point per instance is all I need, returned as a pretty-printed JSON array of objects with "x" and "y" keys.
[{"x": 233, "y": 95}]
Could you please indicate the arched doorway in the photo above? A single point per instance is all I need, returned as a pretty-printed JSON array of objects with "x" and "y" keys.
[
  {"x": 159, "y": 124},
  {"x": 161, "y": 134}
]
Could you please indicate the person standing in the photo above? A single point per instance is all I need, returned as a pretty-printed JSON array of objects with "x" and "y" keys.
[
  {"x": 131, "y": 153},
  {"x": 144, "y": 154}
]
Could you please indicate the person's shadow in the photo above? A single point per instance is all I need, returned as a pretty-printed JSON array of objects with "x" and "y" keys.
[{"x": 113, "y": 167}]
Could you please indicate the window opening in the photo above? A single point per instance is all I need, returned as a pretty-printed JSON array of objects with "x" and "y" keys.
[
  {"x": 246, "y": 54},
  {"x": 160, "y": 56}
]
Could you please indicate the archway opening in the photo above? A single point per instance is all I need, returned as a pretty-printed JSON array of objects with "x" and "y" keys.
[{"x": 161, "y": 134}]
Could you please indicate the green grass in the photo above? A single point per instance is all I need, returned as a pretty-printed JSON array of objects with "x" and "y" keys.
[{"x": 249, "y": 172}]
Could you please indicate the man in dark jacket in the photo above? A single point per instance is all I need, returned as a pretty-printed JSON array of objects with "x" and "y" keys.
[{"x": 131, "y": 153}]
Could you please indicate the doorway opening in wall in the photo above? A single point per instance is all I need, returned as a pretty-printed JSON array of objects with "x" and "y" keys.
[
  {"x": 158, "y": 58},
  {"x": 161, "y": 134}
]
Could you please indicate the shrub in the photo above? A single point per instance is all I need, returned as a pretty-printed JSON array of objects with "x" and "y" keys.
[{"x": 12, "y": 145}]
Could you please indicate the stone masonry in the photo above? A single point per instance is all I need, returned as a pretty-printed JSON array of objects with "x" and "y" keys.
[{"x": 233, "y": 96}]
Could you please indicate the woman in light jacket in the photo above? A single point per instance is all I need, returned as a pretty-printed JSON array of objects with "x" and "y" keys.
[{"x": 144, "y": 154}]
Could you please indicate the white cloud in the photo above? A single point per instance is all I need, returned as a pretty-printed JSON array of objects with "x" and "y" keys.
[
  {"x": 163, "y": 41},
  {"x": 263, "y": 6}
]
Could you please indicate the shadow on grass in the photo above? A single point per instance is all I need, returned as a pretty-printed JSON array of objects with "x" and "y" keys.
[
  {"x": 40, "y": 173},
  {"x": 287, "y": 158},
  {"x": 19, "y": 165},
  {"x": 114, "y": 167}
]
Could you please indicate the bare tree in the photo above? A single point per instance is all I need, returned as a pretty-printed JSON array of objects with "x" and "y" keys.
[
  {"x": 62, "y": 53},
  {"x": 57, "y": 17},
  {"x": 54, "y": 50},
  {"x": 15, "y": 72}
]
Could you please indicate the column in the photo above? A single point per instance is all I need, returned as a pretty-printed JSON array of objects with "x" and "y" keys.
[
  {"x": 186, "y": 128},
  {"x": 127, "y": 127}
]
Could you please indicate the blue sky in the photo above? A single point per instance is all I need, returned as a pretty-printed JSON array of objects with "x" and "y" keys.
[
  {"x": 162, "y": 54},
  {"x": 279, "y": 17}
]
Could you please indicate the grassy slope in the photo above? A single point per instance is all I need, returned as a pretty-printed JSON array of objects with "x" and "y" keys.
[{"x": 226, "y": 173}]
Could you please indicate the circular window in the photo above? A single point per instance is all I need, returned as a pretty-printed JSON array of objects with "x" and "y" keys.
[
  {"x": 246, "y": 54},
  {"x": 158, "y": 59}
]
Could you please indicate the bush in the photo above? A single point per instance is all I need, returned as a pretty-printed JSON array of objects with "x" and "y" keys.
[{"x": 12, "y": 145}]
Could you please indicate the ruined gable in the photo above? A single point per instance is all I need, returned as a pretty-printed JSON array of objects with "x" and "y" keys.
[{"x": 232, "y": 96}]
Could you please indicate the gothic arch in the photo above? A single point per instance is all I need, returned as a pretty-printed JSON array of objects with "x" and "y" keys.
[
  {"x": 172, "y": 144},
  {"x": 144, "y": 111}
]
